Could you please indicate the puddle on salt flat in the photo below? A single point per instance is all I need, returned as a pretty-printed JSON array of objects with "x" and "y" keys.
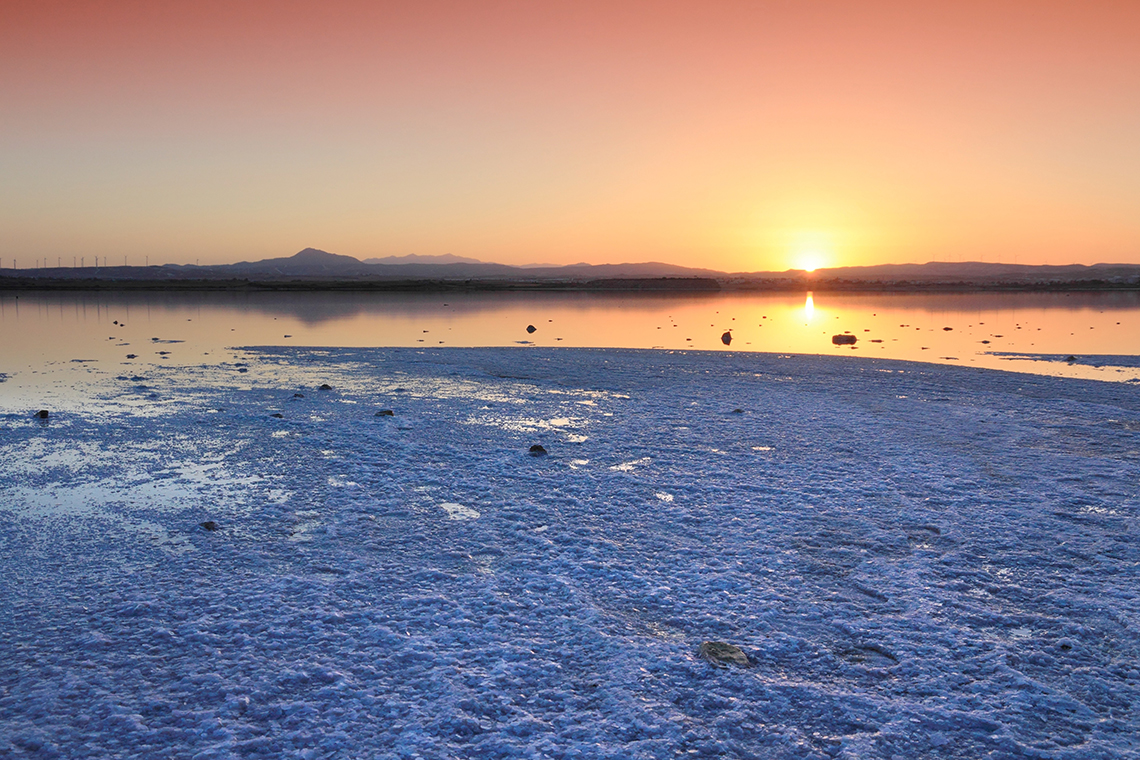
[
  {"x": 458, "y": 511},
  {"x": 529, "y": 424},
  {"x": 630, "y": 466}
]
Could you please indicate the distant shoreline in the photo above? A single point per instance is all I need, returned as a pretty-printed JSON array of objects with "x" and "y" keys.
[{"x": 605, "y": 285}]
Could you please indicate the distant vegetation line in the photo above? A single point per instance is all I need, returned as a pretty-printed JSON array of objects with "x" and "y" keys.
[{"x": 312, "y": 269}]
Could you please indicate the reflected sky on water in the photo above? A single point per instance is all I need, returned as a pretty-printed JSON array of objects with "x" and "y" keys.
[{"x": 90, "y": 333}]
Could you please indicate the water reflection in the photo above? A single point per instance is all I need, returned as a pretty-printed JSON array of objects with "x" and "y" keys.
[{"x": 126, "y": 332}]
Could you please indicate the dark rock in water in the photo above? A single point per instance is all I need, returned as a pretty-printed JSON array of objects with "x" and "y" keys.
[
  {"x": 843, "y": 340},
  {"x": 1070, "y": 359},
  {"x": 722, "y": 655},
  {"x": 738, "y": 411},
  {"x": 298, "y": 395},
  {"x": 726, "y": 339},
  {"x": 209, "y": 525},
  {"x": 42, "y": 414},
  {"x": 537, "y": 450},
  {"x": 278, "y": 415},
  {"x": 326, "y": 387},
  {"x": 531, "y": 328},
  {"x": 385, "y": 413}
]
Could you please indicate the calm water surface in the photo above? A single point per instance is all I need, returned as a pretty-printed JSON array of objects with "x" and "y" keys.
[{"x": 50, "y": 342}]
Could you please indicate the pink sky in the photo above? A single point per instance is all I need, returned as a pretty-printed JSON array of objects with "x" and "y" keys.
[{"x": 738, "y": 136}]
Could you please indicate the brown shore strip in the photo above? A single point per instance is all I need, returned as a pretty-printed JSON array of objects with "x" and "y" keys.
[{"x": 624, "y": 284}]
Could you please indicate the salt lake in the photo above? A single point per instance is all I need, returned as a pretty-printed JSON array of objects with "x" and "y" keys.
[{"x": 49, "y": 342}]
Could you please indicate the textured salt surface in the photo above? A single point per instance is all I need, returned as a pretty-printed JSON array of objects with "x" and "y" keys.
[{"x": 918, "y": 561}]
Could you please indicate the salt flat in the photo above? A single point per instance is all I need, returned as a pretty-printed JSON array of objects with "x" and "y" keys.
[{"x": 919, "y": 561}]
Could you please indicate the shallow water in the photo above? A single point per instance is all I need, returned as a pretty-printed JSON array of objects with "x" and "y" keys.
[{"x": 52, "y": 342}]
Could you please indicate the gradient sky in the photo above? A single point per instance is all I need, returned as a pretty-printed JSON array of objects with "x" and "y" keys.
[{"x": 738, "y": 136}]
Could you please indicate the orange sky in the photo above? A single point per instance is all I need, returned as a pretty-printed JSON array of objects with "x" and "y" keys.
[{"x": 741, "y": 136}]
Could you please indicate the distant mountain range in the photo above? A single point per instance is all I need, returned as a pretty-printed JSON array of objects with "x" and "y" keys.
[
  {"x": 312, "y": 268},
  {"x": 411, "y": 258}
]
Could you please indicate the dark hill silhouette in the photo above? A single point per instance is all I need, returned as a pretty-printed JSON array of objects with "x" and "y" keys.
[{"x": 314, "y": 268}]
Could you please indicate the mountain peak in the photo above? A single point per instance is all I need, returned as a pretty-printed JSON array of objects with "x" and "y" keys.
[{"x": 314, "y": 254}]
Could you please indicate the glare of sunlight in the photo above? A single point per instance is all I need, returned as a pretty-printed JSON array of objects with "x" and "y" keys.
[
  {"x": 811, "y": 250},
  {"x": 809, "y": 261},
  {"x": 809, "y": 307}
]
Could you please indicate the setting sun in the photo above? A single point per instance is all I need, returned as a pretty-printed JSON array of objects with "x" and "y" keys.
[{"x": 809, "y": 262}]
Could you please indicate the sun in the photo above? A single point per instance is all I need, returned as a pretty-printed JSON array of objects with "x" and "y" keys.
[
  {"x": 811, "y": 250},
  {"x": 810, "y": 259}
]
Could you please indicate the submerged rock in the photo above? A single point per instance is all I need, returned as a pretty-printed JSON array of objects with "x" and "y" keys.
[
  {"x": 385, "y": 413},
  {"x": 537, "y": 450},
  {"x": 843, "y": 340},
  {"x": 298, "y": 395},
  {"x": 209, "y": 525},
  {"x": 278, "y": 415},
  {"x": 722, "y": 654}
]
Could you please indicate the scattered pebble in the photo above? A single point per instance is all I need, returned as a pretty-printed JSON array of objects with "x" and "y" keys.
[{"x": 722, "y": 654}]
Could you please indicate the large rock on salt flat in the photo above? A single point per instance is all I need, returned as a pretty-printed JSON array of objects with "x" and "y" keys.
[{"x": 722, "y": 654}]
